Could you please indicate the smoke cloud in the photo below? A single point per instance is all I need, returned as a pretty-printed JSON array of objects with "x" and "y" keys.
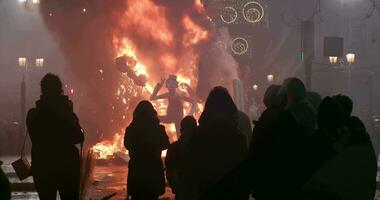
[{"x": 168, "y": 37}]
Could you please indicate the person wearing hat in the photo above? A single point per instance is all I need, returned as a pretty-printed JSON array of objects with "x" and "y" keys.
[{"x": 174, "y": 112}]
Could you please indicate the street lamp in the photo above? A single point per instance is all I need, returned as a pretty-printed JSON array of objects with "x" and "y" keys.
[
  {"x": 33, "y": 1},
  {"x": 22, "y": 62},
  {"x": 350, "y": 58},
  {"x": 255, "y": 87},
  {"x": 39, "y": 62},
  {"x": 270, "y": 77},
  {"x": 333, "y": 60}
]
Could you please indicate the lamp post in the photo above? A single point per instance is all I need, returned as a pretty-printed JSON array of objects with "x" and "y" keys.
[
  {"x": 23, "y": 63},
  {"x": 350, "y": 60}
]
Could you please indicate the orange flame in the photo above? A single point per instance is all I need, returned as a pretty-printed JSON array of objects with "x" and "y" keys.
[
  {"x": 148, "y": 19},
  {"x": 194, "y": 33},
  {"x": 107, "y": 149}
]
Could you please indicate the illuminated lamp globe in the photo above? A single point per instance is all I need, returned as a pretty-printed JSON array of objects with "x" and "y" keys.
[
  {"x": 270, "y": 77},
  {"x": 350, "y": 58},
  {"x": 22, "y": 61},
  {"x": 333, "y": 60},
  {"x": 255, "y": 87}
]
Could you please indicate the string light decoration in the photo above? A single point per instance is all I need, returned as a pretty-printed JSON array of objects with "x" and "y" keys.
[
  {"x": 248, "y": 12},
  {"x": 239, "y": 46},
  {"x": 228, "y": 15},
  {"x": 253, "y": 12}
]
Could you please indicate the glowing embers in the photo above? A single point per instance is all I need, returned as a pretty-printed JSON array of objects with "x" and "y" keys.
[
  {"x": 198, "y": 4},
  {"x": 253, "y": 12},
  {"x": 127, "y": 64},
  {"x": 239, "y": 46},
  {"x": 107, "y": 149},
  {"x": 228, "y": 15},
  {"x": 146, "y": 42}
]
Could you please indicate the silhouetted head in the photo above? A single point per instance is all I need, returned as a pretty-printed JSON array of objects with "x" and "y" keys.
[
  {"x": 295, "y": 90},
  {"x": 219, "y": 106},
  {"x": 345, "y": 103},
  {"x": 314, "y": 99},
  {"x": 275, "y": 96},
  {"x": 51, "y": 85},
  {"x": 145, "y": 112},
  {"x": 188, "y": 126},
  {"x": 330, "y": 114}
]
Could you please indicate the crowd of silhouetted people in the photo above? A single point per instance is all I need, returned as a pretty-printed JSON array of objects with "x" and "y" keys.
[{"x": 301, "y": 147}]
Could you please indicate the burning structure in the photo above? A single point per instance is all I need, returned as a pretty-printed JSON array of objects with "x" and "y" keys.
[{"x": 119, "y": 50}]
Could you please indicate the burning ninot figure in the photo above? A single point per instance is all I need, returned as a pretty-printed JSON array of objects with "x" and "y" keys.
[{"x": 174, "y": 112}]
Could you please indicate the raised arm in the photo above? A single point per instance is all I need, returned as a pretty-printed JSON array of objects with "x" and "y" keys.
[
  {"x": 154, "y": 95},
  {"x": 193, "y": 104}
]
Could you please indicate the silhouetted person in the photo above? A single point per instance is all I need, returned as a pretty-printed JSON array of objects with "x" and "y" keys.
[
  {"x": 263, "y": 132},
  {"x": 351, "y": 167},
  {"x": 175, "y": 154},
  {"x": 5, "y": 186},
  {"x": 255, "y": 175},
  {"x": 314, "y": 99},
  {"x": 54, "y": 130},
  {"x": 331, "y": 136},
  {"x": 296, "y": 125},
  {"x": 145, "y": 139},
  {"x": 354, "y": 124},
  {"x": 263, "y": 156},
  {"x": 297, "y": 105},
  {"x": 217, "y": 148},
  {"x": 244, "y": 125}
]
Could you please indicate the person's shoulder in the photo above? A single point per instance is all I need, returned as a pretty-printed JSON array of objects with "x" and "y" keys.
[
  {"x": 161, "y": 127},
  {"x": 31, "y": 112},
  {"x": 353, "y": 120},
  {"x": 237, "y": 137},
  {"x": 173, "y": 146}
]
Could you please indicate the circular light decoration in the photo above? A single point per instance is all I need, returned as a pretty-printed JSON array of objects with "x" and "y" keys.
[
  {"x": 253, "y": 12},
  {"x": 239, "y": 46},
  {"x": 228, "y": 15}
]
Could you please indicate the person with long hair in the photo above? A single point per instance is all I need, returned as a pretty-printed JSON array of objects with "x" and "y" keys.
[
  {"x": 54, "y": 130},
  {"x": 145, "y": 139}
]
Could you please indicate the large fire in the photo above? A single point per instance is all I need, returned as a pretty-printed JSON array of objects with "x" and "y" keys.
[{"x": 149, "y": 20}]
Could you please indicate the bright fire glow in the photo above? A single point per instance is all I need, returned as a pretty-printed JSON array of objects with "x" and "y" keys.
[
  {"x": 149, "y": 20},
  {"x": 194, "y": 32},
  {"x": 107, "y": 149}
]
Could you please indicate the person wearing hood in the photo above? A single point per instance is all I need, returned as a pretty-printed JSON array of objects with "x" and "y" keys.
[
  {"x": 214, "y": 150},
  {"x": 341, "y": 158},
  {"x": 54, "y": 130},
  {"x": 298, "y": 106},
  {"x": 145, "y": 139}
]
